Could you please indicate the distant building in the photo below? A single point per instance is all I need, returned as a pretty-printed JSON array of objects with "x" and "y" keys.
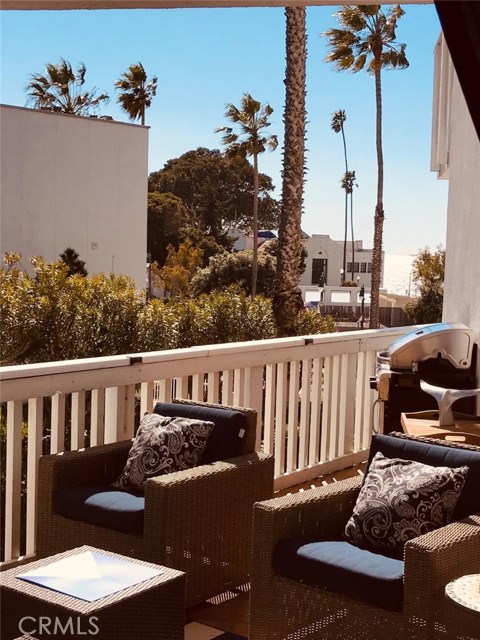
[
  {"x": 245, "y": 243},
  {"x": 72, "y": 181},
  {"x": 324, "y": 264}
]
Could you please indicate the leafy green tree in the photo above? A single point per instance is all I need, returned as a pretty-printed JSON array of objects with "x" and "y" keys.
[
  {"x": 166, "y": 216},
  {"x": 288, "y": 299},
  {"x": 207, "y": 244},
  {"x": 217, "y": 191},
  {"x": 236, "y": 269},
  {"x": 61, "y": 89},
  {"x": 249, "y": 140},
  {"x": 428, "y": 273},
  {"x": 74, "y": 265},
  {"x": 366, "y": 40},
  {"x": 136, "y": 92},
  {"x": 180, "y": 267}
]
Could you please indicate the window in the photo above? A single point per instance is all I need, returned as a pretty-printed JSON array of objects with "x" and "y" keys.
[
  {"x": 369, "y": 267},
  {"x": 355, "y": 267},
  {"x": 363, "y": 267},
  {"x": 319, "y": 272},
  {"x": 340, "y": 297}
]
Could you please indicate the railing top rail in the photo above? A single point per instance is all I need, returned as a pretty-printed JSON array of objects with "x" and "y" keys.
[{"x": 66, "y": 376}]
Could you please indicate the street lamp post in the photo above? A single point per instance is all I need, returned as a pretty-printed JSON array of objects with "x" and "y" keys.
[
  {"x": 342, "y": 276},
  {"x": 362, "y": 297}
]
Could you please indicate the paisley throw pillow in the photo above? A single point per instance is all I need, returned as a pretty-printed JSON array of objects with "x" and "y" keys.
[
  {"x": 402, "y": 499},
  {"x": 163, "y": 445}
]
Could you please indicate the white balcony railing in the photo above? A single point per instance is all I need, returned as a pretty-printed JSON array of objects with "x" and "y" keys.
[{"x": 312, "y": 394}]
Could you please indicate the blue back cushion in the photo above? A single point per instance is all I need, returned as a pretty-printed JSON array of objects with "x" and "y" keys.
[
  {"x": 437, "y": 456},
  {"x": 225, "y": 441}
]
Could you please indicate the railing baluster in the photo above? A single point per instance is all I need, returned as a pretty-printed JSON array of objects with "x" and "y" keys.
[
  {"x": 292, "y": 419},
  {"x": 280, "y": 414},
  {"x": 227, "y": 387},
  {"x": 13, "y": 479},
  {"x": 253, "y": 397},
  {"x": 269, "y": 415},
  {"x": 197, "y": 387},
  {"x": 35, "y": 432},
  {"x": 238, "y": 385},
  {"x": 77, "y": 440},
  {"x": 146, "y": 398},
  {"x": 213, "y": 392},
  {"x": 129, "y": 420},
  {"x": 57, "y": 424},
  {"x": 326, "y": 409},
  {"x": 97, "y": 416},
  {"x": 304, "y": 428},
  {"x": 315, "y": 454}
]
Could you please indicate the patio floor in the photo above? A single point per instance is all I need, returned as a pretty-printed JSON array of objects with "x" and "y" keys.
[{"x": 229, "y": 611}]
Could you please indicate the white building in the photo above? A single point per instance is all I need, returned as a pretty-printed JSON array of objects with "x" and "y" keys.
[
  {"x": 456, "y": 157},
  {"x": 324, "y": 264},
  {"x": 70, "y": 181}
]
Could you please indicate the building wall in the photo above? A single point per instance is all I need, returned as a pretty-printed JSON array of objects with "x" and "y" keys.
[
  {"x": 323, "y": 247},
  {"x": 69, "y": 181},
  {"x": 460, "y": 162}
]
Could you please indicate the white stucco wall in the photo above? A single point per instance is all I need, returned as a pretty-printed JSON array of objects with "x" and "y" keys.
[
  {"x": 68, "y": 181},
  {"x": 456, "y": 155}
]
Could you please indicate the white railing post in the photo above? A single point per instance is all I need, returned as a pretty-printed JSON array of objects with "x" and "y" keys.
[
  {"x": 35, "y": 432},
  {"x": 253, "y": 398},
  {"x": 13, "y": 479}
]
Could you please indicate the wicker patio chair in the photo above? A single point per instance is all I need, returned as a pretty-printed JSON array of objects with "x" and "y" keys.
[
  {"x": 284, "y": 608},
  {"x": 198, "y": 520}
]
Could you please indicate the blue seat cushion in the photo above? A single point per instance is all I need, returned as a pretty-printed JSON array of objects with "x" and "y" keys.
[
  {"x": 342, "y": 568},
  {"x": 225, "y": 440},
  {"x": 101, "y": 505},
  {"x": 435, "y": 455}
]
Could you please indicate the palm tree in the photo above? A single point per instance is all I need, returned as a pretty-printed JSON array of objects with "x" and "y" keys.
[
  {"x": 338, "y": 120},
  {"x": 347, "y": 183},
  {"x": 137, "y": 92},
  {"x": 367, "y": 40},
  {"x": 287, "y": 300},
  {"x": 61, "y": 89},
  {"x": 252, "y": 119}
]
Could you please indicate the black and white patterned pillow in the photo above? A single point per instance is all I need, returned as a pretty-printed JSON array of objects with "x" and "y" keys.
[
  {"x": 403, "y": 499},
  {"x": 162, "y": 445}
]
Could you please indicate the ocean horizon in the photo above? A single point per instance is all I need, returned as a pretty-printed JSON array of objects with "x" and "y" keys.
[{"x": 397, "y": 274}]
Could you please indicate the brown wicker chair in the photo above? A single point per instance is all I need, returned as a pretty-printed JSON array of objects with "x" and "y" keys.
[
  {"x": 198, "y": 520},
  {"x": 283, "y": 608}
]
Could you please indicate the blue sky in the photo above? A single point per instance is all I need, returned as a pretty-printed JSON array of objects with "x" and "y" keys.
[{"x": 206, "y": 58}]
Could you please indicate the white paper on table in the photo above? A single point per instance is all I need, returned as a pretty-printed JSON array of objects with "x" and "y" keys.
[{"x": 90, "y": 575}]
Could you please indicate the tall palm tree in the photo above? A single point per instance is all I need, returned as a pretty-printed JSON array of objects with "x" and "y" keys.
[
  {"x": 367, "y": 41},
  {"x": 347, "y": 184},
  {"x": 250, "y": 140},
  {"x": 61, "y": 89},
  {"x": 137, "y": 92},
  {"x": 338, "y": 120},
  {"x": 287, "y": 300}
]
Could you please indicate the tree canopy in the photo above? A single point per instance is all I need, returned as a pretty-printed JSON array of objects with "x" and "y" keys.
[
  {"x": 249, "y": 139},
  {"x": 136, "y": 92},
  {"x": 61, "y": 89},
  {"x": 217, "y": 191},
  {"x": 428, "y": 273}
]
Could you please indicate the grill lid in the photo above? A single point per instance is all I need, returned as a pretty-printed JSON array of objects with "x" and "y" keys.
[{"x": 452, "y": 341}]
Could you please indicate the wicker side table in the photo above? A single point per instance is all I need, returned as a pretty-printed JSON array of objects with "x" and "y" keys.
[
  {"x": 463, "y": 604},
  {"x": 152, "y": 609}
]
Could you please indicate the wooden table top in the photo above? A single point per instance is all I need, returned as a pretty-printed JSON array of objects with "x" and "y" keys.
[{"x": 425, "y": 423}]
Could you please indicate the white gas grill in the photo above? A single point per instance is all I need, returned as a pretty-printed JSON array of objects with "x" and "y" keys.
[{"x": 442, "y": 354}]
